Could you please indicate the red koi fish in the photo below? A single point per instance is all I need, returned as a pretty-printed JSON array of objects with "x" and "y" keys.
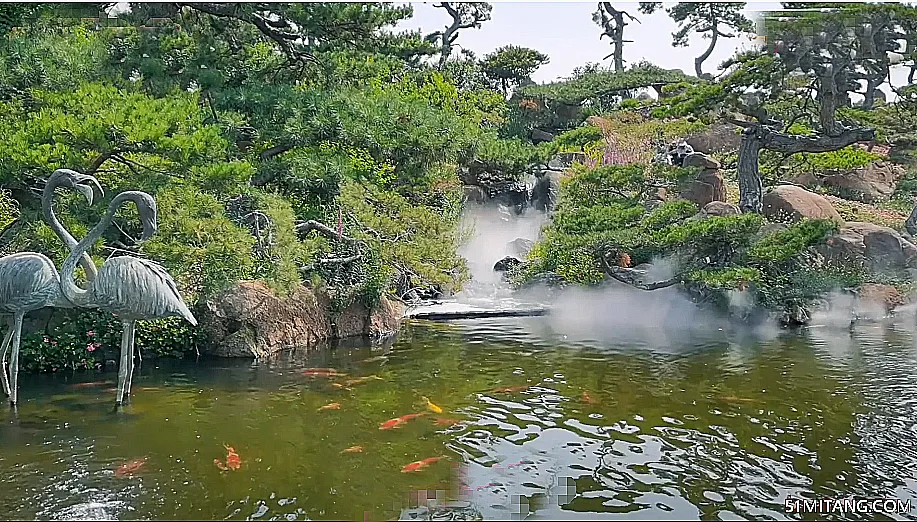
[
  {"x": 128, "y": 468},
  {"x": 233, "y": 461},
  {"x": 395, "y": 423},
  {"x": 420, "y": 464}
]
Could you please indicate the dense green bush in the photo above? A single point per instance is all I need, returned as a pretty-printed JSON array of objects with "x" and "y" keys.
[
  {"x": 238, "y": 143},
  {"x": 86, "y": 339}
]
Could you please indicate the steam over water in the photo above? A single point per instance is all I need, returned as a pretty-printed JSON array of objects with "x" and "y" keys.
[{"x": 493, "y": 229}]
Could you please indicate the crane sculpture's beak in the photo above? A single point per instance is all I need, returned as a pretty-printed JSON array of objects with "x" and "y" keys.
[{"x": 84, "y": 184}]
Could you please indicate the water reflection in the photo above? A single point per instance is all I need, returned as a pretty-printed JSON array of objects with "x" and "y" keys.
[{"x": 711, "y": 425}]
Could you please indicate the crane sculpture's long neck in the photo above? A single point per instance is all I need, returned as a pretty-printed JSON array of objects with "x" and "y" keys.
[
  {"x": 73, "y": 293},
  {"x": 47, "y": 202}
]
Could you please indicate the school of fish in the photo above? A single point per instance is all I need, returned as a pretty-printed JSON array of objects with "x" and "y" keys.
[{"x": 234, "y": 462}]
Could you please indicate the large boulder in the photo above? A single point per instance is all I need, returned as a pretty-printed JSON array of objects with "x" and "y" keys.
[
  {"x": 250, "y": 320},
  {"x": 885, "y": 297},
  {"x": 877, "y": 248},
  {"x": 520, "y": 246},
  {"x": 720, "y": 208},
  {"x": 719, "y": 137},
  {"x": 708, "y": 186},
  {"x": 506, "y": 264},
  {"x": 546, "y": 190},
  {"x": 791, "y": 203},
  {"x": 539, "y": 136},
  {"x": 871, "y": 183},
  {"x": 698, "y": 159}
]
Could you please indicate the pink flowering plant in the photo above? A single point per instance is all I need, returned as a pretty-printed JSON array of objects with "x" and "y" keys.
[{"x": 87, "y": 339}]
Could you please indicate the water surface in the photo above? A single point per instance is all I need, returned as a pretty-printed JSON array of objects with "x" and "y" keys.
[{"x": 710, "y": 426}]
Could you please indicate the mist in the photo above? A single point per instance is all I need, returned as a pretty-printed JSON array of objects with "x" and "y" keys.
[
  {"x": 612, "y": 313},
  {"x": 492, "y": 228}
]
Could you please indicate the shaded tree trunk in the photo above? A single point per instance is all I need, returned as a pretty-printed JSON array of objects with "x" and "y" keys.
[
  {"x": 618, "y": 36},
  {"x": 614, "y": 29},
  {"x": 757, "y": 136},
  {"x": 699, "y": 61},
  {"x": 751, "y": 189}
]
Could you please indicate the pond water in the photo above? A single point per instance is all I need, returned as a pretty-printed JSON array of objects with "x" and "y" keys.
[{"x": 711, "y": 426}]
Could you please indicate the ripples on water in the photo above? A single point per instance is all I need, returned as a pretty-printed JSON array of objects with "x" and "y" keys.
[{"x": 708, "y": 426}]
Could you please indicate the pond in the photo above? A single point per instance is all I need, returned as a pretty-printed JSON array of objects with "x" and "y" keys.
[{"x": 533, "y": 425}]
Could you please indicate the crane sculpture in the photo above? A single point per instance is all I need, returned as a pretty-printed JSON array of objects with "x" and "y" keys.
[
  {"x": 131, "y": 288},
  {"x": 29, "y": 281}
]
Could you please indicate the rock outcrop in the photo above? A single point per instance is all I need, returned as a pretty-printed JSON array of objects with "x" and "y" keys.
[
  {"x": 250, "y": 320},
  {"x": 520, "y": 246},
  {"x": 546, "y": 190},
  {"x": 885, "y": 297},
  {"x": 720, "y": 208},
  {"x": 708, "y": 186},
  {"x": 874, "y": 247},
  {"x": 719, "y": 137},
  {"x": 475, "y": 194},
  {"x": 789, "y": 203},
  {"x": 869, "y": 184},
  {"x": 506, "y": 264},
  {"x": 874, "y": 182}
]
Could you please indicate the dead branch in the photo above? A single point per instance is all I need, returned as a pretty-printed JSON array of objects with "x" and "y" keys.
[
  {"x": 632, "y": 277},
  {"x": 325, "y": 230}
]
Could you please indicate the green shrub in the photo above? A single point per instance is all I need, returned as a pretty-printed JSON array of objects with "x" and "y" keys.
[
  {"x": 85, "y": 340},
  {"x": 782, "y": 245}
]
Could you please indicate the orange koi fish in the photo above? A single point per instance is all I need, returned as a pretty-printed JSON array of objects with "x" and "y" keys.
[
  {"x": 589, "y": 399},
  {"x": 420, "y": 464},
  {"x": 233, "y": 461},
  {"x": 128, "y": 468},
  {"x": 446, "y": 422},
  {"x": 332, "y": 406},
  {"x": 353, "y": 449},
  {"x": 395, "y": 423}
]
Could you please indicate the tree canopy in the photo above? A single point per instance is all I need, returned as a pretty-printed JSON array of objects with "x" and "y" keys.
[{"x": 712, "y": 20}]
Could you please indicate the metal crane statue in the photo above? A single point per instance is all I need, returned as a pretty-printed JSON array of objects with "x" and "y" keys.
[
  {"x": 131, "y": 288},
  {"x": 29, "y": 281}
]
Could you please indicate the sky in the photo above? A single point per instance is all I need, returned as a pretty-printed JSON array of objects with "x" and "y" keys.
[{"x": 566, "y": 33}]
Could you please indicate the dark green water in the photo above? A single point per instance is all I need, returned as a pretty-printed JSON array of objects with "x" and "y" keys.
[{"x": 685, "y": 427}]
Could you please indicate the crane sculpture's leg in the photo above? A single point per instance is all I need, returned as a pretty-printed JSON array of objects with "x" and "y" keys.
[
  {"x": 14, "y": 359},
  {"x": 126, "y": 365},
  {"x": 5, "y": 349},
  {"x": 130, "y": 373}
]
